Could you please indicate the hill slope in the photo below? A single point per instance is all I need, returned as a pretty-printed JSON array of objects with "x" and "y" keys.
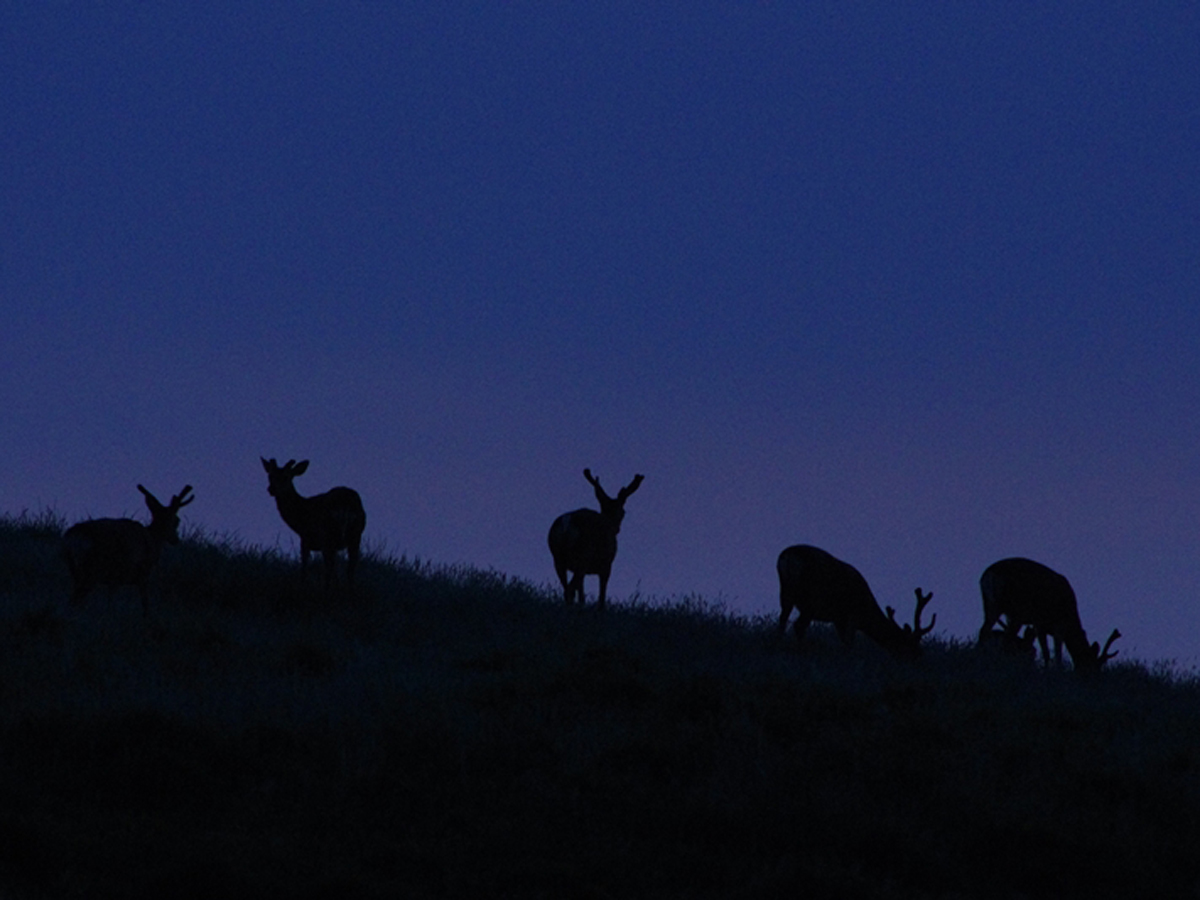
[{"x": 454, "y": 733}]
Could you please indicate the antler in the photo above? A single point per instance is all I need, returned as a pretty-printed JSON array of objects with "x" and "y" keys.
[
  {"x": 629, "y": 488},
  {"x": 1103, "y": 656},
  {"x": 182, "y": 499},
  {"x": 594, "y": 482},
  {"x": 915, "y": 629}
]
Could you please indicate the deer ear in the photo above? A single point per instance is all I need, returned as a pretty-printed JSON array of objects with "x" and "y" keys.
[
  {"x": 301, "y": 467},
  {"x": 268, "y": 466}
]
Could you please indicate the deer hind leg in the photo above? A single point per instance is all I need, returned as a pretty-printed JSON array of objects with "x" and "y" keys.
[
  {"x": 575, "y": 588},
  {"x": 329, "y": 557},
  {"x": 561, "y": 572},
  {"x": 79, "y": 592},
  {"x": 352, "y": 554},
  {"x": 845, "y": 631}
]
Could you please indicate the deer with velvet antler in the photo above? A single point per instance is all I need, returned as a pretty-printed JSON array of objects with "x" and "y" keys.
[
  {"x": 325, "y": 523},
  {"x": 822, "y": 588},
  {"x": 1025, "y": 592},
  {"x": 117, "y": 552},
  {"x": 584, "y": 541}
]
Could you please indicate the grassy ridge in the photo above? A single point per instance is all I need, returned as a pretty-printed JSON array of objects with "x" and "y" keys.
[{"x": 456, "y": 733}]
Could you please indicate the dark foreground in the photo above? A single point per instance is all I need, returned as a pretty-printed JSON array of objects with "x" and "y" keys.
[{"x": 458, "y": 734}]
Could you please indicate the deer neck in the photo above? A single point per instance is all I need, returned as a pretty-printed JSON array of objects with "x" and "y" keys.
[
  {"x": 293, "y": 509},
  {"x": 155, "y": 534}
]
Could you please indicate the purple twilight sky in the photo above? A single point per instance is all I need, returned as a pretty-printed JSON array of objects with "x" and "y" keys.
[{"x": 918, "y": 283}]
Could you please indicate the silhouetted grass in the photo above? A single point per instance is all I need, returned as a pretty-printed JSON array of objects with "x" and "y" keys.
[{"x": 450, "y": 732}]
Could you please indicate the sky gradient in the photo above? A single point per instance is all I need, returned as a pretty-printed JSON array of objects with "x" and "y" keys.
[{"x": 915, "y": 283}]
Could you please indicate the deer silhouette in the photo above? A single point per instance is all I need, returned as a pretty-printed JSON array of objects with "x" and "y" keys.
[
  {"x": 117, "y": 552},
  {"x": 325, "y": 523},
  {"x": 1028, "y": 593},
  {"x": 822, "y": 588},
  {"x": 584, "y": 542}
]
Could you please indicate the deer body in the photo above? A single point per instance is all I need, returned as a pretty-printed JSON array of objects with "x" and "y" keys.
[
  {"x": 584, "y": 541},
  {"x": 822, "y": 588},
  {"x": 117, "y": 552},
  {"x": 325, "y": 523},
  {"x": 1028, "y": 593}
]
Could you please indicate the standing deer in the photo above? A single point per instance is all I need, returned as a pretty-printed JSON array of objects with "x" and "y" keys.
[
  {"x": 1027, "y": 593},
  {"x": 116, "y": 552},
  {"x": 326, "y": 523},
  {"x": 825, "y": 589},
  {"x": 585, "y": 541}
]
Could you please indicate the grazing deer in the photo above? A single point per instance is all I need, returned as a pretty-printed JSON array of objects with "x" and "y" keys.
[
  {"x": 116, "y": 552},
  {"x": 825, "y": 589},
  {"x": 585, "y": 541},
  {"x": 1027, "y": 593},
  {"x": 326, "y": 523}
]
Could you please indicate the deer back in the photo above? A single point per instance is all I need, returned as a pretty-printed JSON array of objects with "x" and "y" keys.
[
  {"x": 110, "y": 552},
  {"x": 329, "y": 521},
  {"x": 1028, "y": 593},
  {"x": 584, "y": 541}
]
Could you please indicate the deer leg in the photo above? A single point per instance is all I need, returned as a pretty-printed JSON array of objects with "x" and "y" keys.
[
  {"x": 988, "y": 622},
  {"x": 801, "y": 626},
  {"x": 845, "y": 631},
  {"x": 329, "y": 557},
  {"x": 352, "y": 552},
  {"x": 785, "y": 610},
  {"x": 603, "y": 589},
  {"x": 1044, "y": 643},
  {"x": 575, "y": 588}
]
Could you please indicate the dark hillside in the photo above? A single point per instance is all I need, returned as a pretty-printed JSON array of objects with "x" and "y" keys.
[{"x": 455, "y": 733}]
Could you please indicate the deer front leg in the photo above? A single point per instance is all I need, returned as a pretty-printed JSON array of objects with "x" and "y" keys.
[
  {"x": 305, "y": 550},
  {"x": 785, "y": 610},
  {"x": 801, "y": 626}
]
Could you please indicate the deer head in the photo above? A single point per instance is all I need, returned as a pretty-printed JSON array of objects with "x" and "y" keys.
[
  {"x": 165, "y": 519},
  {"x": 613, "y": 509}
]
